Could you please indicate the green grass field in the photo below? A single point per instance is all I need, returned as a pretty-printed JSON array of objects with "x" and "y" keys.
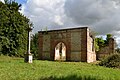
[{"x": 16, "y": 69}]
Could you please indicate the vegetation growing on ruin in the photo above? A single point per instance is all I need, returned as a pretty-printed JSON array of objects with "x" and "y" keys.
[{"x": 100, "y": 42}]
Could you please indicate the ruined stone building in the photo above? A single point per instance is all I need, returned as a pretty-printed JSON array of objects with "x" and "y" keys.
[
  {"x": 106, "y": 50},
  {"x": 74, "y": 44}
]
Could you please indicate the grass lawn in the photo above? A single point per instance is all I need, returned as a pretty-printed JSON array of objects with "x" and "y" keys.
[{"x": 16, "y": 69}]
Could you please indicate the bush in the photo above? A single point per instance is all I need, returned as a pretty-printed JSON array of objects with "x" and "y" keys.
[{"x": 112, "y": 61}]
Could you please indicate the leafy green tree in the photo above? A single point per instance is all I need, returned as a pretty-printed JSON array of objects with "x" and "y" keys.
[
  {"x": 96, "y": 45},
  {"x": 13, "y": 25},
  {"x": 34, "y": 45},
  {"x": 100, "y": 42},
  {"x": 108, "y": 38}
]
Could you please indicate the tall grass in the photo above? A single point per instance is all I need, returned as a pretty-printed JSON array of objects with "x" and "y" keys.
[{"x": 16, "y": 69}]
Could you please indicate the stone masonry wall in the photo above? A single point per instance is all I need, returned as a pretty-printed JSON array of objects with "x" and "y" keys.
[
  {"x": 76, "y": 45},
  {"x": 77, "y": 41},
  {"x": 46, "y": 47}
]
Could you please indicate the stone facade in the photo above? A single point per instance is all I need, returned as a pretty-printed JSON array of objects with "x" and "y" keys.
[
  {"x": 107, "y": 50},
  {"x": 75, "y": 44}
]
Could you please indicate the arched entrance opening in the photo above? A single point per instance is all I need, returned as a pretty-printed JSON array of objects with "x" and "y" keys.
[{"x": 60, "y": 52}]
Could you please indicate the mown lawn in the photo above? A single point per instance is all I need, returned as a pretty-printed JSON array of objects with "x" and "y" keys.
[{"x": 16, "y": 69}]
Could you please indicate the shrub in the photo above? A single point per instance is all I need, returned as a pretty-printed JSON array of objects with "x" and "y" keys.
[{"x": 112, "y": 61}]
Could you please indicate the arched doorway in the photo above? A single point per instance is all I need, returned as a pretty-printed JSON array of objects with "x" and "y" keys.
[{"x": 60, "y": 52}]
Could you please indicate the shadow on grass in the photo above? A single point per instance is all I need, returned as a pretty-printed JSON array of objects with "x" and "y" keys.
[{"x": 71, "y": 77}]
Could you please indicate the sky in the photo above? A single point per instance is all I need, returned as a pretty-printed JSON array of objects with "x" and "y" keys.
[
  {"x": 21, "y": 1},
  {"x": 102, "y": 16}
]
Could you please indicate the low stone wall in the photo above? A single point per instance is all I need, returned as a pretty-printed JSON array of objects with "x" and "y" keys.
[{"x": 104, "y": 52}]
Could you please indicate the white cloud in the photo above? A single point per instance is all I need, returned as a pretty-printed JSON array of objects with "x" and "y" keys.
[
  {"x": 102, "y": 16},
  {"x": 45, "y": 13},
  {"x": 58, "y": 20}
]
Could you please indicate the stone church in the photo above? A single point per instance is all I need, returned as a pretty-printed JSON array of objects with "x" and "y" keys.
[{"x": 73, "y": 44}]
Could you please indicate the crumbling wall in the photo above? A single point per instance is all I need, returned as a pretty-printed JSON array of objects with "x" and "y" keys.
[
  {"x": 106, "y": 50},
  {"x": 91, "y": 55}
]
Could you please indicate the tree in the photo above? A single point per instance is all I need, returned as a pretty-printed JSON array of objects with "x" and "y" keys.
[
  {"x": 34, "y": 45},
  {"x": 108, "y": 38},
  {"x": 13, "y": 25},
  {"x": 100, "y": 42}
]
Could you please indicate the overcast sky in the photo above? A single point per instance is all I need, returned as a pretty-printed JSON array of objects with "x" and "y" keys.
[{"x": 102, "y": 16}]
